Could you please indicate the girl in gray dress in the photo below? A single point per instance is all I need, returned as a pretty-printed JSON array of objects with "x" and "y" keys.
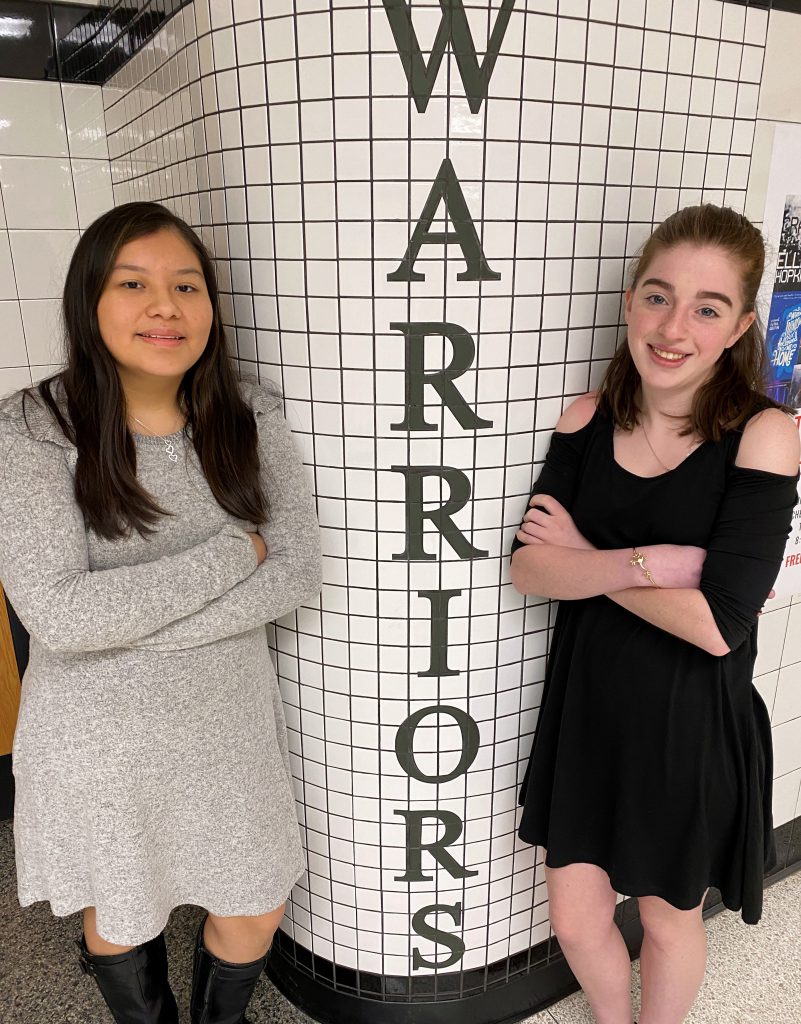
[{"x": 153, "y": 517}]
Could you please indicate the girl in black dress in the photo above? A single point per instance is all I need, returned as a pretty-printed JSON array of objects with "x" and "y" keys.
[{"x": 659, "y": 521}]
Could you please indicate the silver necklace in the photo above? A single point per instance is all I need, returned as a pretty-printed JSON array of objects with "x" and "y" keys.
[
  {"x": 667, "y": 469},
  {"x": 169, "y": 447}
]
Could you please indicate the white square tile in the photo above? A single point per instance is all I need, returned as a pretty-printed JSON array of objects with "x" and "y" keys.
[
  {"x": 568, "y": 88},
  {"x": 652, "y": 91},
  {"x": 705, "y": 58},
  {"x": 316, "y": 78},
  {"x": 737, "y": 176},
  {"x": 12, "y": 352},
  {"x": 33, "y": 119},
  {"x": 752, "y": 64},
  {"x": 725, "y": 100},
  {"x": 747, "y": 100},
  {"x": 540, "y": 35},
  {"x": 86, "y": 123},
  {"x": 720, "y": 133},
  {"x": 733, "y": 26},
  {"x": 597, "y": 84},
  {"x": 566, "y": 126},
  {"x": 710, "y": 18},
  {"x": 657, "y": 15},
  {"x": 677, "y": 95},
  {"x": 649, "y": 130},
  {"x": 603, "y": 10},
  {"x": 630, "y": 44},
  {"x": 224, "y": 49},
  {"x": 680, "y": 60},
  {"x": 252, "y": 85},
  {"x": 42, "y": 325},
  {"x": 756, "y": 25},
  {"x": 40, "y": 261},
  {"x": 601, "y": 44},
  {"x": 37, "y": 192},
  {"x": 698, "y": 134},
  {"x": 220, "y": 13},
  {"x": 623, "y": 127},
  {"x": 729, "y": 57},
  {"x": 632, "y": 13},
  {"x": 249, "y": 44},
  {"x": 655, "y": 51},
  {"x": 228, "y": 89},
  {"x": 674, "y": 131},
  {"x": 93, "y": 191},
  {"x": 571, "y": 40}
]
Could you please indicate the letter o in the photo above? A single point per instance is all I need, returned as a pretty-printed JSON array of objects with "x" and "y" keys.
[{"x": 404, "y": 742}]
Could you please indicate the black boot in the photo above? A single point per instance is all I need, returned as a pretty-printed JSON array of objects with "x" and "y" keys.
[
  {"x": 221, "y": 991},
  {"x": 134, "y": 984}
]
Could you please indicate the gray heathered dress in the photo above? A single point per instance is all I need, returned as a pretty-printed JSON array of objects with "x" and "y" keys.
[{"x": 150, "y": 756}]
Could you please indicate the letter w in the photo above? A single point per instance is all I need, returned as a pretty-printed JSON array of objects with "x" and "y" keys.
[{"x": 453, "y": 27}]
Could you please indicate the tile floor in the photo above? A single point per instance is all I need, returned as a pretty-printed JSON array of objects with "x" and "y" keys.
[{"x": 754, "y": 974}]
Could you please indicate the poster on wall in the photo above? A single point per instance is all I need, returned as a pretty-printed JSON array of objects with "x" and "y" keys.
[
  {"x": 782, "y": 297},
  {"x": 784, "y": 319}
]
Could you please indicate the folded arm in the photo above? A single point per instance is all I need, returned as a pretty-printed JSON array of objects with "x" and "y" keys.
[
  {"x": 289, "y": 575},
  {"x": 44, "y": 561},
  {"x": 710, "y": 599},
  {"x": 744, "y": 550}
]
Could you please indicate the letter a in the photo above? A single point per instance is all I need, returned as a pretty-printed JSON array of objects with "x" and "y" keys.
[{"x": 446, "y": 186}]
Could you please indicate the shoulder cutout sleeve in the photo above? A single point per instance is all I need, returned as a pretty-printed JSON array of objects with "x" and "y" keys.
[
  {"x": 559, "y": 474},
  {"x": 746, "y": 548}
]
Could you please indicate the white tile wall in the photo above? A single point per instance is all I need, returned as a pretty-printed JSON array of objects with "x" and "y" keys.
[{"x": 55, "y": 178}]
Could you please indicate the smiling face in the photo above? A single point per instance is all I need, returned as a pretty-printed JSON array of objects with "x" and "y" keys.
[
  {"x": 154, "y": 312},
  {"x": 685, "y": 310}
]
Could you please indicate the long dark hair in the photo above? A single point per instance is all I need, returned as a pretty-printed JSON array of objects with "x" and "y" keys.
[
  {"x": 737, "y": 387},
  {"x": 222, "y": 427}
]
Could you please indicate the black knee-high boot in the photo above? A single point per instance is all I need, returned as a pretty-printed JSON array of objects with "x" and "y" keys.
[
  {"x": 221, "y": 991},
  {"x": 134, "y": 984}
]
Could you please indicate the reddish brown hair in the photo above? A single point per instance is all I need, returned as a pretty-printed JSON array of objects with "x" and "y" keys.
[{"x": 736, "y": 388}]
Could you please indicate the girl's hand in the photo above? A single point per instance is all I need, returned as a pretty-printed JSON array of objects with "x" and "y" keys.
[
  {"x": 548, "y": 522},
  {"x": 257, "y": 541},
  {"x": 674, "y": 566}
]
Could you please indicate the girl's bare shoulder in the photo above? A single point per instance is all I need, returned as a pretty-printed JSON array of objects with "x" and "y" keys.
[
  {"x": 578, "y": 414},
  {"x": 770, "y": 442}
]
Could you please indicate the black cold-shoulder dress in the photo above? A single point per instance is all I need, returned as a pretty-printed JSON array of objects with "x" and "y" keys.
[{"x": 652, "y": 758}]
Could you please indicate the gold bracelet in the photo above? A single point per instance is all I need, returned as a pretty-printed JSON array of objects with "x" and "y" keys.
[{"x": 638, "y": 558}]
